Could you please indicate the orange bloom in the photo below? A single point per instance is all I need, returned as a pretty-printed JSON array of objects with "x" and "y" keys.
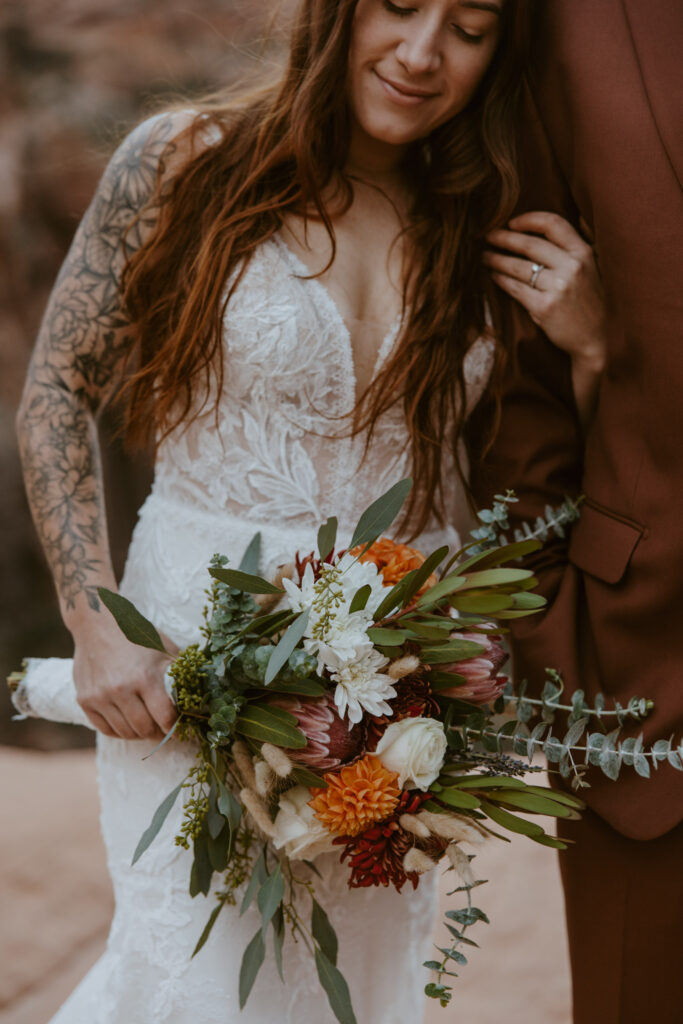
[
  {"x": 395, "y": 560},
  {"x": 360, "y": 794}
]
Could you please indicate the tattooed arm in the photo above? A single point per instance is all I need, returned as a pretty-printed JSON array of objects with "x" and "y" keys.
[{"x": 79, "y": 349}]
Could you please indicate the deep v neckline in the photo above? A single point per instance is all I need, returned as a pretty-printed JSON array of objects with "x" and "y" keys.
[{"x": 326, "y": 300}]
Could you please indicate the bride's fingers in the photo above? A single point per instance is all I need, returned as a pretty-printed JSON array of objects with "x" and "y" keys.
[
  {"x": 529, "y": 297},
  {"x": 134, "y": 709},
  {"x": 100, "y": 723},
  {"x": 555, "y": 228},
  {"x": 521, "y": 270},
  {"x": 160, "y": 706},
  {"x": 531, "y": 247}
]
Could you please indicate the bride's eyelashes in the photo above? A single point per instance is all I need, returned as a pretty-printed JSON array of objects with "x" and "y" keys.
[{"x": 405, "y": 12}]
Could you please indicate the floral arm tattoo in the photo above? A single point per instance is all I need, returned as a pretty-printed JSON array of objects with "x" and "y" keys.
[{"x": 82, "y": 339}]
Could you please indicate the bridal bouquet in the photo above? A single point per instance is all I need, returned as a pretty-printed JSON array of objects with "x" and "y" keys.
[{"x": 354, "y": 706}]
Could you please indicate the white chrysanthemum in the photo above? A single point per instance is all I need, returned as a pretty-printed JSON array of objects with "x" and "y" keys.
[
  {"x": 344, "y": 639},
  {"x": 361, "y": 685},
  {"x": 357, "y": 574},
  {"x": 333, "y": 631}
]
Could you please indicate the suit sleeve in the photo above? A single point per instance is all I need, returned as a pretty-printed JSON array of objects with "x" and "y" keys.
[{"x": 538, "y": 448}]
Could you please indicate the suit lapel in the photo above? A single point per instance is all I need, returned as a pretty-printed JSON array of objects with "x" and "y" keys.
[{"x": 657, "y": 32}]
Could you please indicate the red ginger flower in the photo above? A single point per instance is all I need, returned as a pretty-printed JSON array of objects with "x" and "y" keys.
[
  {"x": 331, "y": 742},
  {"x": 482, "y": 682},
  {"x": 376, "y": 856},
  {"x": 360, "y": 794}
]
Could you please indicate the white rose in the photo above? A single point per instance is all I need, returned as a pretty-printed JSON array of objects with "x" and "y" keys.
[
  {"x": 415, "y": 748},
  {"x": 297, "y": 829}
]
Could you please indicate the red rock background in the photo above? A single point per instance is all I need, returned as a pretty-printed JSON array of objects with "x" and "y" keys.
[{"x": 74, "y": 76}]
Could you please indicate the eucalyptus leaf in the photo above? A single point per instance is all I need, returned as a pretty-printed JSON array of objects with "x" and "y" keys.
[
  {"x": 134, "y": 626},
  {"x": 244, "y": 581},
  {"x": 278, "y": 923},
  {"x": 286, "y": 645},
  {"x": 380, "y": 515},
  {"x": 171, "y": 732},
  {"x": 229, "y": 806},
  {"x": 207, "y": 928},
  {"x": 332, "y": 980},
  {"x": 270, "y": 897},
  {"x": 575, "y": 732},
  {"x": 418, "y": 577},
  {"x": 252, "y": 960},
  {"x": 159, "y": 818},
  {"x": 327, "y": 537},
  {"x": 201, "y": 872},
  {"x": 252, "y": 556},
  {"x": 258, "y": 877},
  {"x": 219, "y": 848},
  {"x": 298, "y": 687},
  {"x": 360, "y": 598},
  {"x": 392, "y": 599},
  {"x": 323, "y": 932},
  {"x": 305, "y": 777}
]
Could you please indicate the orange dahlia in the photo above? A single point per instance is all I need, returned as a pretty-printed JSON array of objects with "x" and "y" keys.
[
  {"x": 394, "y": 560},
  {"x": 360, "y": 794}
]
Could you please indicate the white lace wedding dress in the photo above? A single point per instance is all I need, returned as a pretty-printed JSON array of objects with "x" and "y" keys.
[{"x": 269, "y": 464}]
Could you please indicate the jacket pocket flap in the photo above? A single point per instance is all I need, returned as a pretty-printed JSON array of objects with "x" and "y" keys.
[{"x": 602, "y": 543}]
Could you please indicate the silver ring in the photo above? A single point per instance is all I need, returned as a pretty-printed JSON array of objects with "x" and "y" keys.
[{"x": 536, "y": 269}]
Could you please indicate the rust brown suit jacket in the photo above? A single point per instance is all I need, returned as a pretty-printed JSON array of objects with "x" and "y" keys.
[{"x": 605, "y": 148}]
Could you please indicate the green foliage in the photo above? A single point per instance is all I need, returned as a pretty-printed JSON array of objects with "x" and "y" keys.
[
  {"x": 495, "y": 522},
  {"x": 457, "y": 922},
  {"x": 377, "y": 519},
  {"x": 133, "y": 625},
  {"x": 332, "y": 980},
  {"x": 160, "y": 815},
  {"x": 327, "y": 536},
  {"x": 578, "y": 747},
  {"x": 253, "y": 958}
]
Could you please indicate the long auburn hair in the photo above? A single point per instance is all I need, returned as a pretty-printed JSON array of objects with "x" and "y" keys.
[{"x": 277, "y": 152}]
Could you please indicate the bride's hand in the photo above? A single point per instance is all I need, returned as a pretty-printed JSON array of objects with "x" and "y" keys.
[
  {"x": 119, "y": 685},
  {"x": 552, "y": 272}
]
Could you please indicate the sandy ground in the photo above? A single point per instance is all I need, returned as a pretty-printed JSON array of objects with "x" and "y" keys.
[{"x": 56, "y": 904}]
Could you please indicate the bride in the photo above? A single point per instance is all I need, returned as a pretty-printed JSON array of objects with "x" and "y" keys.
[{"x": 290, "y": 292}]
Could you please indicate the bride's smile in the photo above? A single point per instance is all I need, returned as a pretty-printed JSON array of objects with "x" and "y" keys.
[{"x": 415, "y": 65}]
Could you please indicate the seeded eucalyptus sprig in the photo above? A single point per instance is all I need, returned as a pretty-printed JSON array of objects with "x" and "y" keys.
[
  {"x": 579, "y": 747},
  {"x": 495, "y": 522}
]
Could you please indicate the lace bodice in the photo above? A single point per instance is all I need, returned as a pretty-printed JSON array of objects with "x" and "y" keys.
[{"x": 289, "y": 386}]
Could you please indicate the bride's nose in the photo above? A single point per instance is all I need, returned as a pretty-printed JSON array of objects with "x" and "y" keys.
[{"x": 420, "y": 49}]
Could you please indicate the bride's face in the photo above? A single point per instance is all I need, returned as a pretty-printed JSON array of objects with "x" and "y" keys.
[{"x": 414, "y": 64}]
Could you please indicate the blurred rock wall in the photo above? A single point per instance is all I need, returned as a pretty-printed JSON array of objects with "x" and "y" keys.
[{"x": 74, "y": 76}]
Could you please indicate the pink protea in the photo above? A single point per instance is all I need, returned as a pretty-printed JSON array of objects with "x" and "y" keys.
[
  {"x": 330, "y": 741},
  {"x": 483, "y": 683}
]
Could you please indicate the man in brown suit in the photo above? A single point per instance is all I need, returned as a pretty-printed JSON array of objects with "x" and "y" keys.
[{"x": 607, "y": 153}]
